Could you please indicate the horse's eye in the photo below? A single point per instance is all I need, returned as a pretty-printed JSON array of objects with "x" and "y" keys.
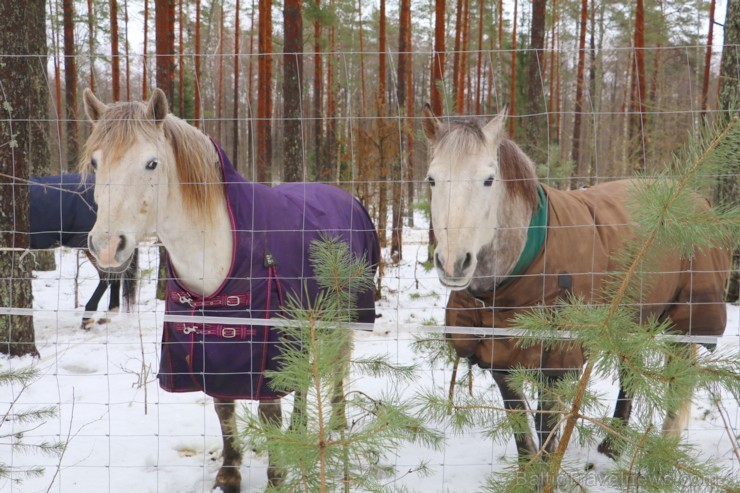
[
  {"x": 430, "y": 180},
  {"x": 93, "y": 164},
  {"x": 488, "y": 182},
  {"x": 152, "y": 164}
]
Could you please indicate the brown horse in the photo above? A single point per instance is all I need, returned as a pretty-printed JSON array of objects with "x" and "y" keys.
[{"x": 506, "y": 244}]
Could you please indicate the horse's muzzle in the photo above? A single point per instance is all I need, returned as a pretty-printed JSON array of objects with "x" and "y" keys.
[{"x": 113, "y": 253}]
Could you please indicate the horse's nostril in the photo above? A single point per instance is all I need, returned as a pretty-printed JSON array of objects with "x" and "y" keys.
[
  {"x": 121, "y": 243},
  {"x": 468, "y": 260},
  {"x": 437, "y": 261}
]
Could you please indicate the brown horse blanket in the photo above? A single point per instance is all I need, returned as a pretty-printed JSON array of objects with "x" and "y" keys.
[{"x": 585, "y": 231}]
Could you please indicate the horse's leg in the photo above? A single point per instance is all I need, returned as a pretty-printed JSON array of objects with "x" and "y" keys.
[
  {"x": 622, "y": 411},
  {"x": 676, "y": 422},
  {"x": 544, "y": 420},
  {"x": 228, "y": 478},
  {"x": 514, "y": 401},
  {"x": 92, "y": 305},
  {"x": 114, "y": 301},
  {"x": 271, "y": 412}
]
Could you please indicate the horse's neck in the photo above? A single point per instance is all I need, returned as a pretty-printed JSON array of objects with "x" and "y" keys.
[
  {"x": 496, "y": 260},
  {"x": 200, "y": 250}
]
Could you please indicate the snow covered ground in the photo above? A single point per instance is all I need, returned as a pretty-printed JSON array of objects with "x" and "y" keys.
[{"x": 124, "y": 434}]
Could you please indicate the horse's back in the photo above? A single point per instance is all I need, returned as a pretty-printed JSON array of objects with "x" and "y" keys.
[
  {"x": 688, "y": 291},
  {"x": 307, "y": 212},
  {"x": 61, "y": 210}
]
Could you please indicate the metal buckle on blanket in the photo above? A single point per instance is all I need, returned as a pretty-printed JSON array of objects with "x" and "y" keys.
[
  {"x": 228, "y": 332},
  {"x": 232, "y": 300},
  {"x": 186, "y": 300},
  {"x": 190, "y": 330}
]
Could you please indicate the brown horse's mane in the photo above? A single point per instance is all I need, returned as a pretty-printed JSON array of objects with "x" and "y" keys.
[
  {"x": 196, "y": 160},
  {"x": 459, "y": 135}
]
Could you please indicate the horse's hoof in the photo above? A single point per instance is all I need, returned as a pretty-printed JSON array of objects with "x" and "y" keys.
[
  {"x": 87, "y": 323},
  {"x": 227, "y": 488},
  {"x": 103, "y": 321},
  {"x": 607, "y": 448}
]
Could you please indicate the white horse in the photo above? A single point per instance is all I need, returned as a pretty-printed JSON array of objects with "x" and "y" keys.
[
  {"x": 154, "y": 173},
  {"x": 506, "y": 244}
]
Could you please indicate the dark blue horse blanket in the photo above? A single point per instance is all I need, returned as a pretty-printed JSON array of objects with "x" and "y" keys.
[
  {"x": 272, "y": 231},
  {"x": 62, "y": 210}
]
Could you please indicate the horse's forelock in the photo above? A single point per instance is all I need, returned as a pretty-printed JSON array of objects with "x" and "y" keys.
[
  {"x": 195, "y": 158},
  {"x": 116, "y": 131},
  {"x": 461, "y": 136}
]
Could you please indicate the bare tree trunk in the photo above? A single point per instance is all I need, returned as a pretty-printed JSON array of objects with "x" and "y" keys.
[
  {"x": 114, "y": 55},
  {"x": 553, "y": 136},
  {"x": 24, "y": 141},
  {"x": 456, "y": 53},
  {"x": 144, "y": 71},
  {"x": 331, "y": 173},
  {"x": 126, "y": 50},
  {"x": 534, "y": 122},
  {"x": 404, "y": 56},
  {"x": 236, "y": 103},
  {"x": 197, "y": 103},
  {"x": 70, "y": 86},
  {"x": 580, "y": 172},
  {"x": 164, "y": 20},
  {"x": 437, "y": 77},
  {"x": 512, "y": 88},
  {"x": 638, "y": 93},
  {"x": 54, "y": 14},
  {"x": 181, "y": 61},
  {"x": 362, "y": 58},
  {"x": 478, "y": 70},
  {"x": 382, "y": 108},
  {"x": 438, "y": 58},
  {"x": 292, "y": 82},
  {"x": 318, "y": 122},
  {"x": 461, "y": 76},
  {"x": 220, "y": 82},
  {"x": 728, "y": 189},
  {"x": 707, "y": 62},
  {"x": 264, "y": 91},
  {"x": 91, "y": 42}
]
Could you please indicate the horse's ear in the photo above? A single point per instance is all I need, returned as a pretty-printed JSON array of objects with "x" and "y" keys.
[
  {"x": 494, "y": 130},
  {"x": 430, "y": 123},
  {"x": 157, "y": 107},
  {"x": 94, "y": 108}
]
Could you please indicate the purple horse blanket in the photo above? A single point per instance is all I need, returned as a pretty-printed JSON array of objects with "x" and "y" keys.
[{"x": 272, "y": 230}]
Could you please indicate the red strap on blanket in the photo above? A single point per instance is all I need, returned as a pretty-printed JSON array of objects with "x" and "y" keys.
[{"x": 218, "y": 330}]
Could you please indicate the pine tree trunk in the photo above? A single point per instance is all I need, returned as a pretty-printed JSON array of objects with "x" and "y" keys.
[
  {"x": 115, "y": 58},
  {"x": 437, "y": 79},
  {"x": 638, "y": 137},
  {"x": 264, "y": 93},
  {"x": 534, "y": 122},
  {"x": 707, "y": 62},
  {"x": 331, "y": 173},
  {"x": 236, "y": 100},
  {"x": 24, "y": 106},
  {"x": 462, "y": 67},
  {"x": 362, "y": 58},
  {"x": 580, "y": 170},
  {"x": 70, "y": 86},
  {"x": 381, "y": 123},
  {"x": 728, "y": 189},
  {"x": 181, "y": 61},
  {"x": 196, "y": 82},
  {"x": 318, "y": 122},
  {"x": 478, "y": 69},
  {"x": 404, "y": 23},
  {"x": 144, "y": 71},
  {"x": 126, "y": 49},
  {"x": 292, "y": 80},
  {"x": 512, "y": 87},
  {"x": 220, "y": 81},
  {"x": 164, "y": 20},
  {"x": 91, "y": 41},
  {"x": 456, "y": 53}
]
